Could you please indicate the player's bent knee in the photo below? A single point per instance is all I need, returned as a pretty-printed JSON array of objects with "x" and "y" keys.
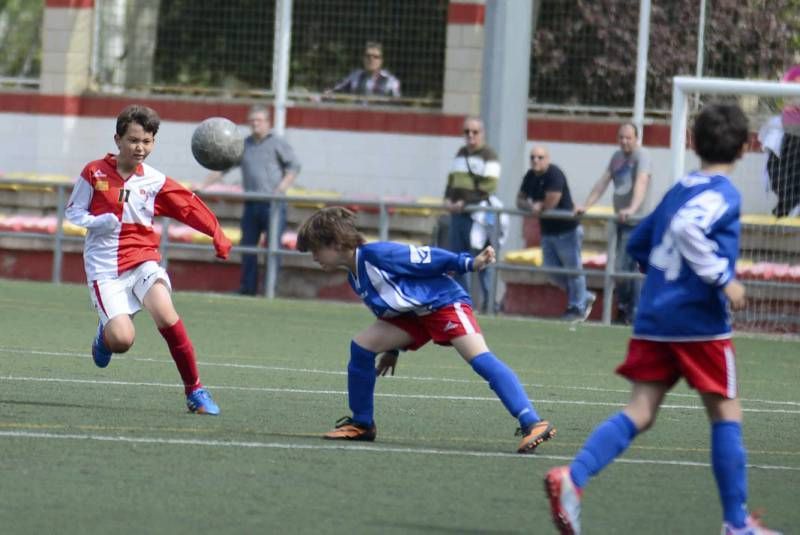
[
  {"x": 120, "y": 346},
  {"x": 120, "y": 340}
]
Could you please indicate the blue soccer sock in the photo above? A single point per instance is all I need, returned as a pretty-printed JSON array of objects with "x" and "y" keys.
[
  {"x": 506, "y": 385},
  {"x": 606, "y": 443},
  {"x": 361, "y": 383},
  {"x": 728, "y": 458}
]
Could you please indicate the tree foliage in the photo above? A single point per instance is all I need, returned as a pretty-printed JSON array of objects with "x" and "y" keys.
[
  {"x": 20, "y": 38},
  {"x": 584, "y": 52},
  {"x": 208, "y": 43}
]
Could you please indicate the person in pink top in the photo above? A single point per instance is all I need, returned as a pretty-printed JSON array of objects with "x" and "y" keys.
[{"x": 115, "y": 199}]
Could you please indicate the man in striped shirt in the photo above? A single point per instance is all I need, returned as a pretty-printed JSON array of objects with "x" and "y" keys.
[{"x": 473, "y": 177}]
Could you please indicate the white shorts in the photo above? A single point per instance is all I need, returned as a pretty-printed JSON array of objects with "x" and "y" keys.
[{"x": 124, "y": 294}]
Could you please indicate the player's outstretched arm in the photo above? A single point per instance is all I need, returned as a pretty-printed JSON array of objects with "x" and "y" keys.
[
  {"x": 177, "y": 202},
  {"x": 415, "y": 261},
  {"x": 484, "y": 259}
]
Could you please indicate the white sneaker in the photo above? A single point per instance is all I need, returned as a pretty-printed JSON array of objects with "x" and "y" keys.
[
  {"x": 753, "y": 526},
  {"x": 591, "y": 297},
  {"x": 565, "y": 500}
]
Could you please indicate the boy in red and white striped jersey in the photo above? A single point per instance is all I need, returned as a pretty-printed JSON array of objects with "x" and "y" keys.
[{"x": 116, "y": 199}]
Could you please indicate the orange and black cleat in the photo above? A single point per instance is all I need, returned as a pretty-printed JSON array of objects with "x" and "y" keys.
[
  {"x": 535, "y": 435},
  {"x": 347, "y": 429}
]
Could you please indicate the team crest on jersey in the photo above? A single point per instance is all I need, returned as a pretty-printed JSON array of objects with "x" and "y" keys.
[
  {"x": 101, "y": 185},
  {"x": 420, "y": 255},
  {"x": 99, "y": 174}
]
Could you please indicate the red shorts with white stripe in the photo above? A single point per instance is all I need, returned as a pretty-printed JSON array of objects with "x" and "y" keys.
[
  {"x": 441, "y": 326},
  {"x": 708, "y": 366}
]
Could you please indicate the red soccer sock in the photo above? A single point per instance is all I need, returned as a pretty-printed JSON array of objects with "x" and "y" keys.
[{"x": 182, "y": 351}]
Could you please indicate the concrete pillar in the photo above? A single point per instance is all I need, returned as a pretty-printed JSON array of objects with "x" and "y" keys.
[
  {"x": 66, "y": 47},
  {"x": 504, "y": 104},
  {"x": 464, "y": 57}
]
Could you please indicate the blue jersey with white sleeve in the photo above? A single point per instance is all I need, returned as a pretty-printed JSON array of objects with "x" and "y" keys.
[
  {"x": 688, "y": 247},
  {"x": 394, "y": 278}
]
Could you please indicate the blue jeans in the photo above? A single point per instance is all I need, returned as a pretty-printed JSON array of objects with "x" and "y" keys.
[
  {"x": 255, "y": 220},
  {"x": 485, "y": 280},
  {"x": 458, "y": 242},
  {"x": 627, "y": 289},
  {"x": 564, "y": 250}
]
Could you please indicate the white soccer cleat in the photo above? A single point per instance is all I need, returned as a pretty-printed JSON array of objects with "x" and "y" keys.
[
  {"x": 753, "y": 526},
  {"x": 565, "y": 500}
]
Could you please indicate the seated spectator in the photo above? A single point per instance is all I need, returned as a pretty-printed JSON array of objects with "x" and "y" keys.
[
  {"x": 544, "y": 187},
  {"x": 372, "y": 80}
]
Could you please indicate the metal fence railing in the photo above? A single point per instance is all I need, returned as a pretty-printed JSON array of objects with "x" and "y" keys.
[{"x": 272, "y": 253}]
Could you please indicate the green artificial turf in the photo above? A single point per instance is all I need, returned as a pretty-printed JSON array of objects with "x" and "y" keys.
[{"x": 85, "y": 450}]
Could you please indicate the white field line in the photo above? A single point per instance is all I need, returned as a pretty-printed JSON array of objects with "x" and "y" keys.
[
  {"x": 377, "y": 394},
  {"x": 348, "y": 447},
  {"x": 393, "y": 378}
]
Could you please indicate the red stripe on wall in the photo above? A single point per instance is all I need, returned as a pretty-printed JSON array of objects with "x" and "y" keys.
[
  {"x": 458, "y": 13},
  {"x": 591, "y": 132},
  {"x": 322, "y": 118},
  {"x": 78, "y": 4},
  {"x": 59, "y": 105},
  {"x": 375, "y": 121}
]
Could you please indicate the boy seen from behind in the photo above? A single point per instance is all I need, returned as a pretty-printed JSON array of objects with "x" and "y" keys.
[{"x": 687, "y": 248}]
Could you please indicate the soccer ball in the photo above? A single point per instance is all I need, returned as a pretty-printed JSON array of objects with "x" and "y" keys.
[{"x": 216, "y": 144}]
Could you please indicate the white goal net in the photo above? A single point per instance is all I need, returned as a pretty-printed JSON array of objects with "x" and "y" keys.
[{"x": 768, "y": 177}]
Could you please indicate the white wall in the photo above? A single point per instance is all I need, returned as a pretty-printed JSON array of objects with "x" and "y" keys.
[{"x": 358, "y": 164}]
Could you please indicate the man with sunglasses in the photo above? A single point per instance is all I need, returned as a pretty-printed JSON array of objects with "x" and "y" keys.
[
  {"x": 372, "y": 80},
  {"x": 544, "y": 187},
  {"x": 473, "y": 178}
]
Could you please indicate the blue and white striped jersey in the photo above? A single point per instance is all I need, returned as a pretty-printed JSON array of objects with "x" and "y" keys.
[
  {"x": 395, "y": 278},
  {"x": 688, "y": 246}
]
